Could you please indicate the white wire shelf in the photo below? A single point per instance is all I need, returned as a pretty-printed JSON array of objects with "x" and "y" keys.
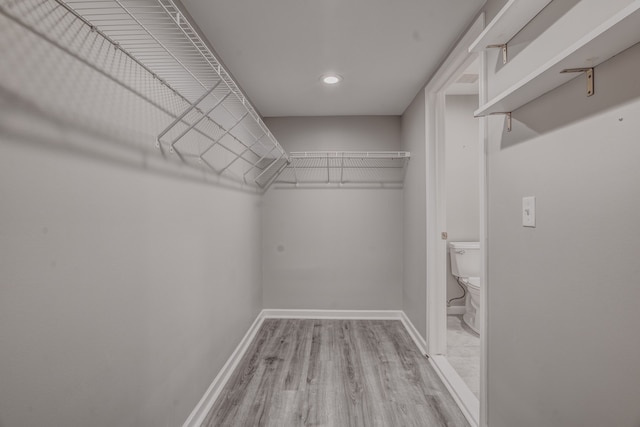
[
  {"x": 345, "y": 168},
  {"x": 120, "y": 57}
]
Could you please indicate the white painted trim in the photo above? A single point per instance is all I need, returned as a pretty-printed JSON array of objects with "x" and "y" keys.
[
  {"x": 484, "y": 254},
  {"x": 421, "y": 343},
  {"x": 456, "y": 310},
  {"x": 463, "y": 396},
  {"x": 200, "y": 412},
  {"x": 270, "y": 313},
  {"x": 457, "y": 61}
]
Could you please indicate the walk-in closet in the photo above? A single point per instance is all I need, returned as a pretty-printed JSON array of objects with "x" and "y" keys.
[{"x": 331, "y": 213}]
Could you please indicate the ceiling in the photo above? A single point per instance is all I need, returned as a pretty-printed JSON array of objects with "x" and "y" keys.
[{"x": 385, "y": 50}]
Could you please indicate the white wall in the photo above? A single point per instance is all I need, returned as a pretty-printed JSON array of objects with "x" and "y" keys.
[
  {"x": 562, "y": 301},
  {"x": 123, "y": 291},
  {"x": 333, "y": 248},
  {"x": 462, "y": 180},
  {"x": 414, "y": 290}
]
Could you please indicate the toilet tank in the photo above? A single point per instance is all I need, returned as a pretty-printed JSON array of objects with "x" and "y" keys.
[{"x": 465, "y": 259}]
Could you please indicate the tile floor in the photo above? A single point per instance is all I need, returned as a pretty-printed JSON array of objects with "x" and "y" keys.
[{"x": 463, "y": 352}]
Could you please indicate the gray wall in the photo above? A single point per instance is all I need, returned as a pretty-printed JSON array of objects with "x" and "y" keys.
[
  {"x": 491, "y": 9},
  {"x": 562, "y": 302},
  {"x": 414, "y": 289},
  {"x": 123, "y": 291},
  {"x": 333, "y": 248},
  {"x": 462, "y": 179}
]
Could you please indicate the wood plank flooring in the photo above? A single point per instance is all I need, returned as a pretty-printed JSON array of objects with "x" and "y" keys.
[{"x": 334, "y": 373}]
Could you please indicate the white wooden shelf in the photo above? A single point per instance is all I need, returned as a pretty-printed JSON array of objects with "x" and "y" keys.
[
  {"x": 508, "y": 22},
  {"x": 379, "y": 168},
  {"x": 605, "y": 41}
]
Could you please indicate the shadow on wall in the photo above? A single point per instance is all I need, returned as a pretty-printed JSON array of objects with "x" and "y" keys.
[
  {"x": 66, "y": 86},
  {"x": 553, "y": 12},
  {"x": 615, "y": 86},
  {"x": 27, "y": 123}
]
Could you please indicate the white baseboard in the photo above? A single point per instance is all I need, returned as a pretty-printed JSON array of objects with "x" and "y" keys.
[
  {"x": 456, "y": 310},
  {"x": 413, "y": 332},
  {"x": 270, "y": 313},
  {"x": 200, "y": 412},
  {"x": 463, "y": 396}
]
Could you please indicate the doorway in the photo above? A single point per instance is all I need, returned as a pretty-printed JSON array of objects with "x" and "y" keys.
[
  {"x": 460, "y": 67},
  {"x": 462, "y": 210}
]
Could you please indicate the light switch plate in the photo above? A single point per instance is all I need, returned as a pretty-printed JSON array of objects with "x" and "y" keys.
[{"x": 529, "y": 211}]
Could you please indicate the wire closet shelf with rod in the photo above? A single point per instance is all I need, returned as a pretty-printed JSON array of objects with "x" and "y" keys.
[
  {"x": 385, "y": 169},
  {"x": 147, "y": 52},
  {"x": 139, "y": 68}
]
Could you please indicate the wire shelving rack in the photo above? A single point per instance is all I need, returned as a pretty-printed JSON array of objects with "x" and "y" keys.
[
  {"x": 345, "y": 168},
  {"x": 120, "y": 57}
]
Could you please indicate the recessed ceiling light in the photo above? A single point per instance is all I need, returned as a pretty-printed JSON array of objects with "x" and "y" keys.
[{"x": 331, "y": 79}]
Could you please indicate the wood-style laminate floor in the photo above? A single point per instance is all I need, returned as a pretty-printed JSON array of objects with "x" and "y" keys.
[{"x": 334, "y": 373}]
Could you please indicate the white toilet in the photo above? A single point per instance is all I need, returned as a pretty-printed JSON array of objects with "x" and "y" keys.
[{"x": 465, "y": 265}]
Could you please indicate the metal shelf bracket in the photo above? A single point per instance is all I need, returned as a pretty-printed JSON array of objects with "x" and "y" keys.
[
  {"x": 504, "y": 50},
  {"x": 508, "y": 117},
  {"x": 589, "y": 72}
]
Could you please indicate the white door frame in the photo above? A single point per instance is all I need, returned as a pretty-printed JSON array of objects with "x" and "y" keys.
[{"x": 459, "y": 59}]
